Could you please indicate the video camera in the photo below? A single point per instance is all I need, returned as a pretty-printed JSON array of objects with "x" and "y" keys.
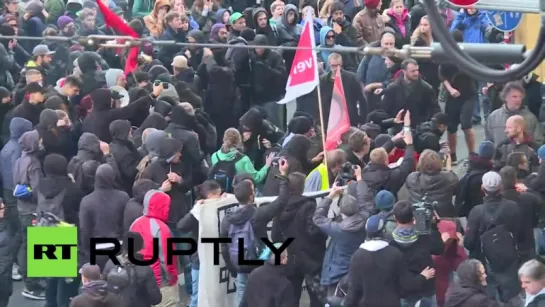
[
  {"x": 346, "y": 173},
  {"x": 423, "y": 213}
]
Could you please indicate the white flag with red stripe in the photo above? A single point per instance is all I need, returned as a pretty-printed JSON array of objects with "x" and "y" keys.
[{"x": 304, "y": 69}]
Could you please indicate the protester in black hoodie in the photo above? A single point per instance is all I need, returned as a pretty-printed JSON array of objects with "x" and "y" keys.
[
  {"x": 154, "y": 120},
  {"x": 142, "y": 290},
  {"x": 55, "y": 139},
  {"x": 306, "y": 253},
  {"x": 529, "y": 206},
  {"x": 417, "y": 250},
  {"x": 105, "y": 113},
  {"x": 275, "y": 36},
  {"x": 181, "y": 128},
  {"x": 258, "y": 135},
  {"x": 91, "y": 77},
  {"x": 125, "y": 153},
  {"x": 101, "y": 212}
]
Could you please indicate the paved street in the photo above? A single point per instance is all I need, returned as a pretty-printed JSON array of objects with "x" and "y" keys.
[{"x": 18, "y": 301}]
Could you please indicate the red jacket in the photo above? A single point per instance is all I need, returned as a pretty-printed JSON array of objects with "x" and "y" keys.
[
  {"x": 397, "y": 154},
  {"x": 152, "y": 225}
]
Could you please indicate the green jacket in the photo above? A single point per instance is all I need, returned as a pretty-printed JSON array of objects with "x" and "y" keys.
[
  {"x": 244, "y": 165},
  {"x": 56, "y": 9},
  {"x": 142, "y": 8}
]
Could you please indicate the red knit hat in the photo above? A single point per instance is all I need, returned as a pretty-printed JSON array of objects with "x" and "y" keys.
[{"x": 371, "y": 4}]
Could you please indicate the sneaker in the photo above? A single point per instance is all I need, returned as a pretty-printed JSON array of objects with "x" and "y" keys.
[
  {"x": 453, "y": 159},
  {"x": 15, "y": 275},
  {"x": 34, "y": 295}
]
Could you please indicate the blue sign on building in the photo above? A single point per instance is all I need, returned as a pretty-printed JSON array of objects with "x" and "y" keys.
[{"x": 504, "y": 21}]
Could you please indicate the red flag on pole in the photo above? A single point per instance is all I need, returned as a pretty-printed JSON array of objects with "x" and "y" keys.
[
  {"x": 115, "y": 22},
  {"x": 339, "y": 120},
  {"x": 303, "y": 76}
]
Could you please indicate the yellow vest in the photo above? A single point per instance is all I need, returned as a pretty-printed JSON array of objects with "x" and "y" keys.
[{"x": 324, "y": 174}]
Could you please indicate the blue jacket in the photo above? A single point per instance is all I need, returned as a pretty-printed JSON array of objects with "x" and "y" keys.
[
  {"x": 318, "y": 24},
  {"x": 346, "y": 235},
  {"x": 12, "y": 151},
  {"x": 473, "y": 27}
]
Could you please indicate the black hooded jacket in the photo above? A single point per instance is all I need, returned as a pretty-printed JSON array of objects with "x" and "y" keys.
[
  {"x": 125, "y": 153},
  {"x": 55, "y": 139},
  {"x": 91, "y": 78},
  {"x": 135, "y": 207},
  {"x": 101, "y": 212},
  {"x": 154, "y": 120},
  {"x": 103, "y": 114},
  {"x": 158, "y": 172},
  {"x": 57, "y": 192},
  {"x": 276, "y": 36},
  {"x": 182, "y": 127}
]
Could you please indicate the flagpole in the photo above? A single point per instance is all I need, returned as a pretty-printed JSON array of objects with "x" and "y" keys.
[{"x": 321, "y": 111}]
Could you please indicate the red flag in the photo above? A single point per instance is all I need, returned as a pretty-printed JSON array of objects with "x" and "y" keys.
[
  {"x": 339, "y": 121},
  {"x": 115, "y": 22},
  {"x": 304, "y": 69}
]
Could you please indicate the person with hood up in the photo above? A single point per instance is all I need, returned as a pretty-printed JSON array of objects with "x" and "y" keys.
[
  {"x": 94, "y": 289},
  {"x": 169, "y": 166},
  {"x": 142, "y": 289},
  {"x": 124, "y": 152},
  {"x": 222, "y": 16},
  {"x": 275, "y": 35},
  {"x": 27, "y": 170},
  {"x": 104, "y": 111},
  {"x": 269, "y": 284},
  {"x": 115, "y": 77},
  {"x": 154, "y": 21},
  {"x": 33, "y": 21},
  {"x": 135, "y": 206},
  {"x": 153, "y": 121},
  {"x": 368, "y": 23},
  {"x": 89, "y": 148},
  {"x": 290, "y": 21},
  {"x": 150, "y": 146},
  {"x": 469, "y": 289},
  {"x": 397, "y": 17},
  {"x": 417, "y": 250},
  {"x": 101, "y": 212},
  {"x": 513, "y": 95},
  {"x": 153, "y": 225},
  {"x": 7, "y": 61},
  {"x": 378, "y": 273},
  {"x": 306, "y": 254},
  {"x": 258, "y": 136},
  {"x": 258, "y": 217},
  {"x": 56, "y": 137},
  {"x": 59, "y": 195}
]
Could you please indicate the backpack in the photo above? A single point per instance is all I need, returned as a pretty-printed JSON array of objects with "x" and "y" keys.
[
  {"x": 498, "y": 246},
  {"x": 462, "y": 202},
  {"x": 52, "y": 205},
  {"x": 251, "y": 247},
  {"x": 121, "y": 282},
  {"x": 224, "y": 172},
  {"x": 142, "y": 165}
]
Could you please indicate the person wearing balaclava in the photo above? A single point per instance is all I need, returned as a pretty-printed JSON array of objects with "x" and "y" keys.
[
  {"x": 368, "y": 23},
  {"x": 104, "y": 112},
  {"x": 151, "y": 139},
  {"x": 101, "y": 212},
  {"x": 59, "y": 195},
  {"x": 181, "y": 128},
  {"x": 89, "y": 148},
  {"x": 125, "y": 153},
  {"x": 269, "y": 77},
  {"x": 27, "y": 171}
]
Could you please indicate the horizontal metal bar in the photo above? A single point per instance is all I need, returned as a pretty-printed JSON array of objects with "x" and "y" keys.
[{"x": 523, "y": 6}]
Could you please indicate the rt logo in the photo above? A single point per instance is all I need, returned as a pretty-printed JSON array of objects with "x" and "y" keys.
[{"x": 52, "y": 252}]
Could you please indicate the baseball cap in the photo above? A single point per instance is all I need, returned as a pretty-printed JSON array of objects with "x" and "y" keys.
[
  {"x": 41, "y": 50},
  {"x": 491, "y": 182},
  {"x": 35, "y": 87},
  {"x": 236, "y": 16},
  {"x": 179, "y": 61},
  {"x": 91, "y": 272}
]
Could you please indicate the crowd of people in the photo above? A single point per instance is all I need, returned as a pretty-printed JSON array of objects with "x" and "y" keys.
[{"x": 132, "y": 154}]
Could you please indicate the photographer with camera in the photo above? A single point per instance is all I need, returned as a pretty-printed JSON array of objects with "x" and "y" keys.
[
  {"x": 322, "y": 177},
  {"x": 417, "y": 245}
]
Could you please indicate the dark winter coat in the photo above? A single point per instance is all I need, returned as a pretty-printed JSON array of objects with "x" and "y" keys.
[
  {"x": 124, "y": 152},
  {"x": 268, "y": 287}
]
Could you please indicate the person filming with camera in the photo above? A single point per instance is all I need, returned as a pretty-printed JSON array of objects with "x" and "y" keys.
[{"x": 417, "y": 244}]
